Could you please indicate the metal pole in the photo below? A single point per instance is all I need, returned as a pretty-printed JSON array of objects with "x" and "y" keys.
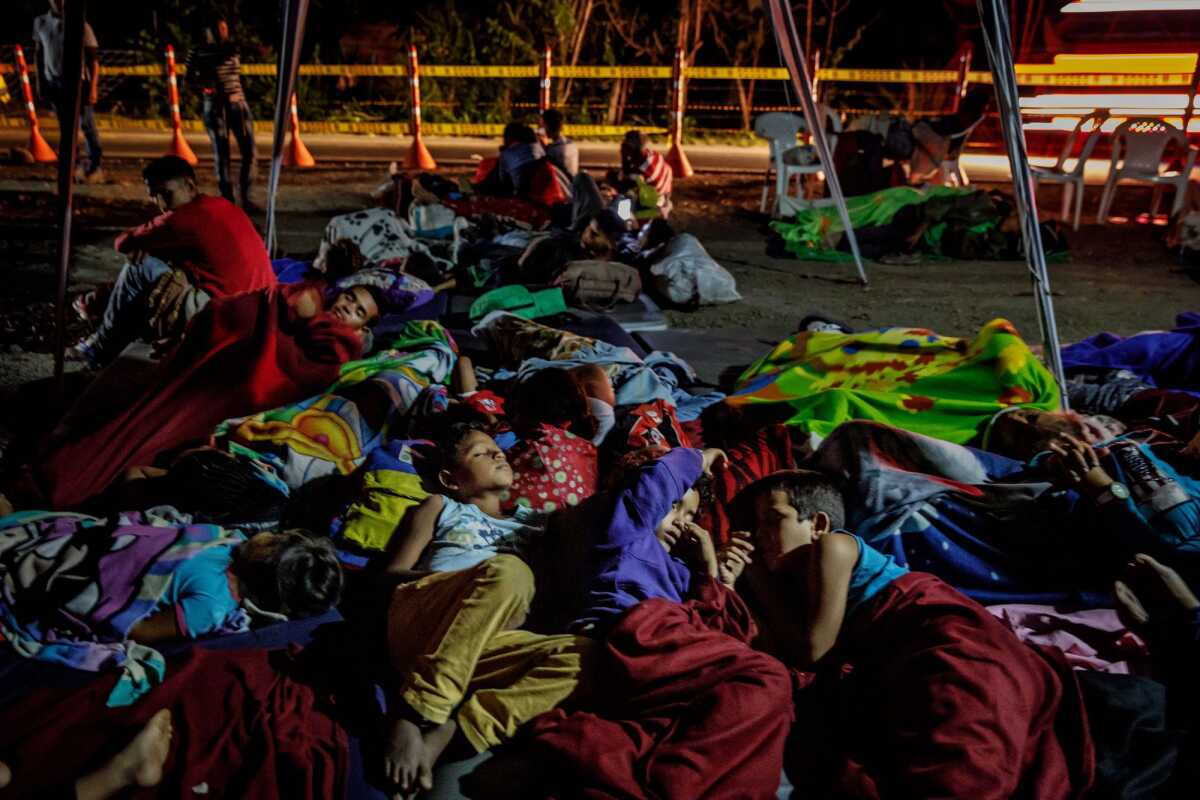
[
  {"x": 678, "y": 159},
  {"x": 793, "y": 57},
  {"x": 964, "y": 67},
  {"x": 294, "y": 13},
  {"x": 994, "y": 15},
  {"x": 74, "y": 13}
]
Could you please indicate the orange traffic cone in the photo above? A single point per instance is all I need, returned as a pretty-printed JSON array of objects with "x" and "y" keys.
[
  {"x": 418, "y": 156},
  {"x": 41, "y": 151},
  {"x": 179, "y": 146},
  {"x": 678, "y": 161},
  {"x": 296, "y": 154}
]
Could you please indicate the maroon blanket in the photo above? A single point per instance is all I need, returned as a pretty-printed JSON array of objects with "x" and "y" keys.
[
  {"x": 689, "y": 710},
  {"x": 241, "y": 355},
  {"x": 243, "y": 728},
  {"x": 766, "y": 452},
  {"x": 939, "y": 700}
]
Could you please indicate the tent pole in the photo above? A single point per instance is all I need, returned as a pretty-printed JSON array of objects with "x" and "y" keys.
[
  {"x": 75, "y": 13},
  {"x": 994, "y": 16},
  {"x": 294, "y": 14},
  {"x": 784, "y": 25}
]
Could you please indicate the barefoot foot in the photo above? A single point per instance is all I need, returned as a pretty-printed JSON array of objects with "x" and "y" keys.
[
  {"x": 139, "y": 764},
  {"x": 403, "y": 753},
  {"x": 436, "y": 741},
  {"x": 5, "y": 775}
]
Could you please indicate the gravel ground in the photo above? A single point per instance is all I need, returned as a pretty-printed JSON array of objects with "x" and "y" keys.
[{"x": 1119, "y": 278}]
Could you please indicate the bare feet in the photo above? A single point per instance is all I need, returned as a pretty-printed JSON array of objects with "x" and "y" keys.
[
  {"x": 403, "y": 756},
  {"x": 139, "y": 764},
  {"x": 1150, "y": 591},
  {"x": 5, "y": 775},
  {"x": 412, "y": 754}
]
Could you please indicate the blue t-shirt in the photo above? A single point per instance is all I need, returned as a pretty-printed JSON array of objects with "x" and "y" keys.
[
  {"x": 628, "y": 564},
  {"x": 200, "y": 592},
  {"x": 465, "y": 536},
  {"x": 872, "y": 572}
]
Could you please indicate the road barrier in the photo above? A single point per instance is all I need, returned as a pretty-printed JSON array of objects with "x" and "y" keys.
[
  {"x": 679, "y": 73},
  {"x": 179, "y": 146}
]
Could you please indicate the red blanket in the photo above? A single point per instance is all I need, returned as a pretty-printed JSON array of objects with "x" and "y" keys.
[
  {"x": 241, "y": 355},
  {"x": 765, "y": 452},
  {"x": 936, "y": 699},
  {"x": 689, "y": 710},
  {"x": 243, "y": 728}
]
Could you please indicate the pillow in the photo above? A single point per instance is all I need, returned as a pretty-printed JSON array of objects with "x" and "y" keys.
[{"x": 553, "y": 470}]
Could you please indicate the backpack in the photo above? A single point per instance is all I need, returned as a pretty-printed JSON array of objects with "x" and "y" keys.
[{"x": 603, "y": 284}]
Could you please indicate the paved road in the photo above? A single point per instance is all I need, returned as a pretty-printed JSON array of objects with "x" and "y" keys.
[{"x": 341, "y": 148}]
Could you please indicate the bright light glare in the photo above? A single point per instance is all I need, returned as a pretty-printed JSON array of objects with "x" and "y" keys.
[
  {"x": 1123, "y": 63},
  {"x": 1149, "y": 101}
]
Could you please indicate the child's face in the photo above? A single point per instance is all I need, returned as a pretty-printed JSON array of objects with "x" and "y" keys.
[
  {"x": 780, "y": 529},
  {"x": 480, "y": 466},
  {"x": 674, "y": 524}
]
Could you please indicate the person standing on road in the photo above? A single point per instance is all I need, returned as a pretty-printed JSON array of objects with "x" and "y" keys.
[
  {"x": 48, "y": 34},
  {"x": 216, "y": 68}
]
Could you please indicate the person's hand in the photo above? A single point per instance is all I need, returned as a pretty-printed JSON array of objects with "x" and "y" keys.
[
  {"x": 733, "y": 557},
  {"x": 1077, "y": 466},
  {"x": 701, "y": 545},
  {"x": 712, "y": 458}
]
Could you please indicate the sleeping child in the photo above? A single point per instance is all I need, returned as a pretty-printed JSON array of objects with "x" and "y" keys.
[
  {"x": 459, "y": 664},
  {"x": 684, "y": 707},
  {"x": 94, "y": 594},
  {"x": 921, "y": 686}
]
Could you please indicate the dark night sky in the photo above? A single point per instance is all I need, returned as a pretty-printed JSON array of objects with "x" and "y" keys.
[{"x": 913, "y": 33}]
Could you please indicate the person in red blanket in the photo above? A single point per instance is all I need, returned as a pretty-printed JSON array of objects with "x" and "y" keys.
[
  {"x": 240, "y": 355},
  {"x": 921, "y": 692},
  {"x": 209, "y": 239}
]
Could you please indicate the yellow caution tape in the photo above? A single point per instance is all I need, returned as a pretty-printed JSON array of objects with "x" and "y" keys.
[
  {"x": 4, "y": 96},
  {"x": 110, "y": 122},
  {"x": 1094, "y": 80},
  {"x": 609, "y": 72}
]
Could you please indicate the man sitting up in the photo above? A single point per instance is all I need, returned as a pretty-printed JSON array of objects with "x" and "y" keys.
[{"x": 206, "y": 240}]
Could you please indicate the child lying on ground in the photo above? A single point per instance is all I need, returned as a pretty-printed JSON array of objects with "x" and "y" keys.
[
  {"x": 458, "y": 661},
  {"x": 122, "y": 585},
  {"x": 687, "y": 708},
  {"x": 942, "y": 700}
]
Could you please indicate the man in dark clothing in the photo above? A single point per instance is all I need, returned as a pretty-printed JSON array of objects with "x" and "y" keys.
[
  {"x": 48, "y": 33},
  {"x": 217, "y": 69}
]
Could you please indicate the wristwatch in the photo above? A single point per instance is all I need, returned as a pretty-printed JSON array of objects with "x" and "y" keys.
[{"x": 1115, "y": 491}]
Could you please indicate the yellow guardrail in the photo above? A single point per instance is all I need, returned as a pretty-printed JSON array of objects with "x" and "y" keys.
[{"x": 1081, "y": 80}]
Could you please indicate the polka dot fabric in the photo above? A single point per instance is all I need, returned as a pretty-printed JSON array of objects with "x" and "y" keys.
[{"x": 555, "y": 470}]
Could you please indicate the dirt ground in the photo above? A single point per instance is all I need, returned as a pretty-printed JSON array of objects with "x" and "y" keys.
[{"x": 1118, "y": 277}]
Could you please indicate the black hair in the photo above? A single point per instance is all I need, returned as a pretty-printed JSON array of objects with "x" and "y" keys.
[
  {"x": 219, "y": 487},
  {"x": 167, "y": 168},
  {"x": 552, "y": 121},
  {"x": 448, "y": 440},
  {"x": 302, "y": 578},
  {"x": 343, "y": 258},
  {"x": 610, "y": 224},
  {"x": 634, "y": 139},
  {"x": 377, "y": 295},
  {"x": 808, "y": 492},
  {"x": 553, "y": 396},
  {"x": 519, "y": 132}
]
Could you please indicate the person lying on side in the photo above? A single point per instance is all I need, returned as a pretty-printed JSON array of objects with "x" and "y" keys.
[
  {"x": 917, "y": 708},
  {"x": 459, "y": 662}
]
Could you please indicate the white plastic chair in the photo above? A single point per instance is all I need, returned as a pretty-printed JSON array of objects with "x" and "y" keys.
[
  {"x": 1137, "y": 154},
  {"x": 1072, "y": 180},
  {"x": 780, "y": 130},
  {"x": 952, "y": 173}
]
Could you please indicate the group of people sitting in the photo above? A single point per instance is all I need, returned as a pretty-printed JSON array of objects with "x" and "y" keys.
[{"x": 560, "y": 546}]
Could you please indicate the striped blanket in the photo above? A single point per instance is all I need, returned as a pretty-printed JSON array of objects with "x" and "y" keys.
[{"x": 73, "y": 586}]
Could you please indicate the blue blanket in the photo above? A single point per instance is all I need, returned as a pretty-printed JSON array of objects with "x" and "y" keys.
[{"x": 1165, "y": 359}]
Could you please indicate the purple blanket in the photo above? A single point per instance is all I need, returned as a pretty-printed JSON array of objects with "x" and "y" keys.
[{"x": 1165, "y": 359}]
